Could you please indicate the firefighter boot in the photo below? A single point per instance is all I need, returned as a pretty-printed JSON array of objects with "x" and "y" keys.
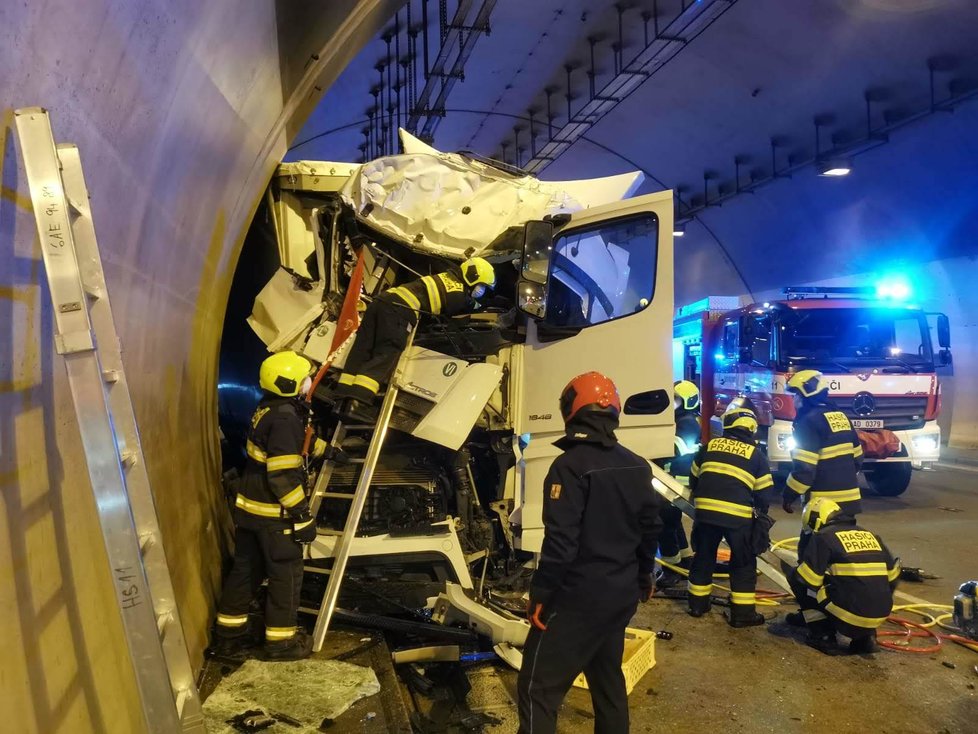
[
  {"x": 865, "y": 645},
  {"x": 821, "y": 636},
  {"x": 743, "y": 615},
  {"x": 795, "y": 619},
  {"x": 356, "y": 411},
  {"x": 698, "y": 605},
  {"x": 234, "y": 648},
  {"x": 296, "y": 648},
  {"x": 668, "y": 579}
]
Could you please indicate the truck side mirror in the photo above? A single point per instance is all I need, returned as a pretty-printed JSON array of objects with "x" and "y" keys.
[
  {"x": 538, "y": 245},
  {"x": 534, "y": 281},
  {"x": 943, "y": 331},
  {"x": 944, "y": 358}
]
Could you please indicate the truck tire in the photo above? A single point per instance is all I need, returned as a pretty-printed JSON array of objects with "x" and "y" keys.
[{"x": 892, "y": 479}]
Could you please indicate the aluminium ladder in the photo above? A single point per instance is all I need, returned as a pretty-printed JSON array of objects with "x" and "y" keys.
[
  {"x": 358, "y": 499},
  {"x": 86, "y": 338}
]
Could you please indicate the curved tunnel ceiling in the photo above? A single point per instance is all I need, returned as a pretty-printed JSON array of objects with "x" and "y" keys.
[{"x": 765, "y": 69}]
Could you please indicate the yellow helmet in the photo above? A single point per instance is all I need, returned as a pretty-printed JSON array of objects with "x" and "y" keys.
[
  {"x": 808, "y": 383},
  {"x": 688, "y": 393},
  {"x": 818, "y": 512},
  {"x": 478, "y": 271},
  {"x": 740, "y": 418},
  {"x": 283, "y": 373}
]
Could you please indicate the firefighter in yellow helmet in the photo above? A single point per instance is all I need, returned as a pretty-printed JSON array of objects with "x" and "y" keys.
[
  {"x": 271, "y": 516},
  {"x": 827, "y": 453},
  {"x": 845, "y": 580},
  {"x": 730, "y": 481},
  {"x": 390, "y": 317}
]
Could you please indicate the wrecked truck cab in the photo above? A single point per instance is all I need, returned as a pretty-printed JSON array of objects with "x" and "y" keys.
[{"x": 452, "y": 487}]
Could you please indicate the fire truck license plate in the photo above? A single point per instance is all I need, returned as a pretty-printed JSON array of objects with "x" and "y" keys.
[{"x": 857, "y": 423}]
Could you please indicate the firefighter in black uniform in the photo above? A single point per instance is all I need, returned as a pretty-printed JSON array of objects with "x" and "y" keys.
[
  {"x": 389, "y": 319},
  {"x": 827, "y": 453},
  {"x": 730, "y": 479},
  {"x": 673, "y": 544},
  {"x": 845, "y": 581},
  {"x": 601, "y": 525},
  {"x": 271, "y": 516}
]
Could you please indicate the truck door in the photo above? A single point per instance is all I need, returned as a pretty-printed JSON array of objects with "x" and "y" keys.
[{"x": 610, "y": 310}]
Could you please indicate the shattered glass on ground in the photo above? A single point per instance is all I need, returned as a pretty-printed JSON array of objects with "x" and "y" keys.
[{"x": 298, "y": 695}]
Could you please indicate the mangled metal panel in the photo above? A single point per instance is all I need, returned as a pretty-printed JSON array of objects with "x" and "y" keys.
[{"x": 451, "y": 205}]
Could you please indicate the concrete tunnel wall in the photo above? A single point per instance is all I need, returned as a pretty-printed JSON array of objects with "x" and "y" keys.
[{"x": 180, "y": 110}]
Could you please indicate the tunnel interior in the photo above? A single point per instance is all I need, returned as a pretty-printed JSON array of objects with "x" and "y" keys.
[{"x": 183, "y": 111}]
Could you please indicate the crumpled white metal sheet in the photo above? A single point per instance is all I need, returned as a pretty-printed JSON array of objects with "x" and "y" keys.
[{"x": 450, "y": 205}]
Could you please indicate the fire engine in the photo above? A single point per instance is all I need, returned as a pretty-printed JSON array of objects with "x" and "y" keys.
[{"x": 875, "y": 351}]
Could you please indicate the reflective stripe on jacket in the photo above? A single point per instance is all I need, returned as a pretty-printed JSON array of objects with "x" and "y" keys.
[
  {"x": 826, "y": 457},
  {"x": 729, "y": 477},
  {"x": 444, "y": 293},
  {"x": 273, "y": 485},
  {"x": 851, "y": 572}
]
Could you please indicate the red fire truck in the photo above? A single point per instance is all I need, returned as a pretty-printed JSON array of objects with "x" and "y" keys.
[{"x": 876, "y": 352}]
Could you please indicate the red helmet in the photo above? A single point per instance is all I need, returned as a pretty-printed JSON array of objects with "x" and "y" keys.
[{"x": 592, "y": 391}]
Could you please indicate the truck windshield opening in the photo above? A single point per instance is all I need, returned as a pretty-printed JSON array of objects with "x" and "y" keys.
[{"x": 857, "y": 336}]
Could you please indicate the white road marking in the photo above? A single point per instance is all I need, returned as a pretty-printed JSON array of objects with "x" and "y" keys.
[{"x": 958, "y": 467}]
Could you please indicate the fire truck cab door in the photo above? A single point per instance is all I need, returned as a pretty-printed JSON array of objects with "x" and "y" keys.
[{"x": 609, "y": 310}]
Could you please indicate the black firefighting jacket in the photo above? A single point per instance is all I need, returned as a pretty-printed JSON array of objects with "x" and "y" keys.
[
  {"x": 688, "y": 435},
  {"x": 730, "y": 476},
  {"x": 601, "y": 522},
  {"x": 851, "y": 572},
  {"x": 272, "y": 488},
  {"x": 444, "y": 293},
  {"x": 826, "y": 457}
]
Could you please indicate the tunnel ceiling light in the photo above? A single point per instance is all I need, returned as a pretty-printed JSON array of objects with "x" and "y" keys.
[{"x": 835, "y": 167}]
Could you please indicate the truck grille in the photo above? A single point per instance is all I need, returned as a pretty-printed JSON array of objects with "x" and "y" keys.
[{"x": 898, "y": 413}]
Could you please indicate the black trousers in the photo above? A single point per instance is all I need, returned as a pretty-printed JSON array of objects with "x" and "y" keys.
[
  {"x": 743, "y": 567},
  {"x": 575, "y": 641},
  {"x": 381, "y": 338},
  {"x": 260, "y": 552},
  {"x": 672, "y": 540},
  {"x": 817, "y": 617}
]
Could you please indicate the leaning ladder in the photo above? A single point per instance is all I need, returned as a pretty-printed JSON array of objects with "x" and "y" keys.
[
  {"x": 86, "y": 338},
  {"x": 358, "y": 498}
]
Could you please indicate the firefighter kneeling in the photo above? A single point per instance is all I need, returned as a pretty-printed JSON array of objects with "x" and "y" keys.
[
  {"x": 728, "y": 479},
  {"x": 845, "y": 580}
]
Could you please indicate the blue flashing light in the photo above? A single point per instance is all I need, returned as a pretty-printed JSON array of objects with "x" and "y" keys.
[
  {"x": 719, "y": 356},
  {"x": 896, "y": 289}
]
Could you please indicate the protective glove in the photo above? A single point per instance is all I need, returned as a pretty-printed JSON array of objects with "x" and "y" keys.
[
  {"x": 646, "y": 587},
  {"x": 788, "y": 501},
  {"x": 534, "y": 613},
  {"x": 304, "y": 529},
  {"x": 319, "y": 448}
]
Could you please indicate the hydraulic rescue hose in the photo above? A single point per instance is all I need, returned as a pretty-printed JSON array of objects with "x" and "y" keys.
[{"x": 910, "y": 629}]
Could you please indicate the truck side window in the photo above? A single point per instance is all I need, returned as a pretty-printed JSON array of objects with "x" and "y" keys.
[
  {"x": 731, "y": 341},
  {"x": 604, "y": 272},
  {"x": 761, "y": 344}
]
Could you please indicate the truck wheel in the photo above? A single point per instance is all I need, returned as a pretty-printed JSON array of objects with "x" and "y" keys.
[{"x": 891, "y": 480}]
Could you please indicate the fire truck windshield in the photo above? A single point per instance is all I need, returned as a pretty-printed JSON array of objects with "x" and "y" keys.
[{"x": 848, "y": 337}]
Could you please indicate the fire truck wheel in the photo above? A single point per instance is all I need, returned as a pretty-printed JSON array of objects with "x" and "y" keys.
[{"x": 892, "y": 479}]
